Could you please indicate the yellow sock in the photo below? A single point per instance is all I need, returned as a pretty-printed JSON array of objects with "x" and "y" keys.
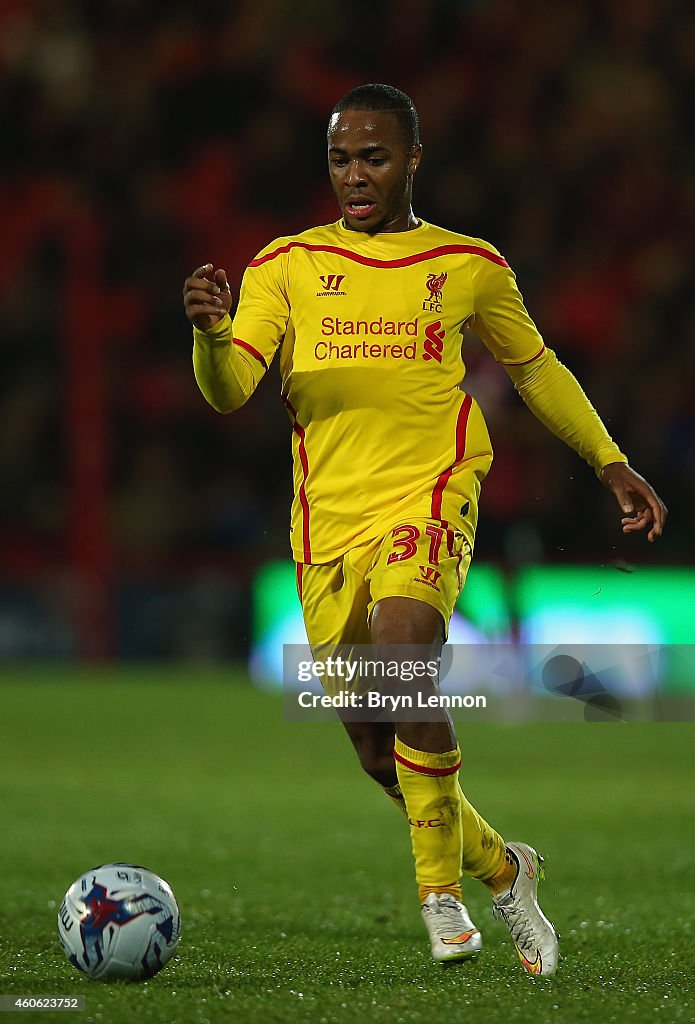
[
  {"x": 429, "y": 783},
  {"x": 483, "y": 849},
  {"x": 504, "y": 878},
  {"x": 396, "y": 794},
  {"x": 424, "y": 890}
]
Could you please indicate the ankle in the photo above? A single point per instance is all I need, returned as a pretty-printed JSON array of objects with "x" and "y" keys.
[
  {"x": 504, "y": 878},
  {"x": 453, "y": 890}
]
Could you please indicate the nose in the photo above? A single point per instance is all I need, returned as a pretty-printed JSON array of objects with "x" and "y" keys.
[{"x": 354, "y": 175}]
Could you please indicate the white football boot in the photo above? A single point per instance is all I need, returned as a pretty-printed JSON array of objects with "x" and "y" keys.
[
  {"x": 452, "y": 933},
  {"x": 534, "y": 937}
]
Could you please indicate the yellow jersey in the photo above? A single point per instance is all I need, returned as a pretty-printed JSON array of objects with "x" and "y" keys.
[{"x": 369, "y": 329}]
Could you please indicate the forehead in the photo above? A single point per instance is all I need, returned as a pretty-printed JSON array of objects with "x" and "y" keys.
[{"x": 356, "y": 129}]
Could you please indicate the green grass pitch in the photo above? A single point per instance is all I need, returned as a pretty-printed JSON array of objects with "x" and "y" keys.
[{"x": 293, "y": 872}]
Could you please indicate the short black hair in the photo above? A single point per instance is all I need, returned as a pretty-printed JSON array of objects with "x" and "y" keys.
[{"x": 377, "y": 96}]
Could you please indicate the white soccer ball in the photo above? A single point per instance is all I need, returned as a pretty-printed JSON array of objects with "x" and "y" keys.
[{"x": 119, "y": 921}]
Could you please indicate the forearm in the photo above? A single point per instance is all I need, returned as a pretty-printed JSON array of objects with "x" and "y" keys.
[
  {"x": 555, "y": 397},
  {"x": 225, "y": 376}
]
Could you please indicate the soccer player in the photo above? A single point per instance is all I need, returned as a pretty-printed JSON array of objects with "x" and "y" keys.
[{"x": 389, "y": 455}]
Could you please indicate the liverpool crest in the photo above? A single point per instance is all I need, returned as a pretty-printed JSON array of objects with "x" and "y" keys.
[{"x": 435, "y": 283}]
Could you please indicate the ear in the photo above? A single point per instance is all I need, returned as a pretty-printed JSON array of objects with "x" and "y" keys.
[{"x": 414, "y": 159}]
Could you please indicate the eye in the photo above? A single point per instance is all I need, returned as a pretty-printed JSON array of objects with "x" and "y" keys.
[
  {"x": 338, "y": 161},
  {"x": 376, "y": 161}
]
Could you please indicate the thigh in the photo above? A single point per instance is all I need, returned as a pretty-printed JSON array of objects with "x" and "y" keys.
[{"x": 423, "y": 559}]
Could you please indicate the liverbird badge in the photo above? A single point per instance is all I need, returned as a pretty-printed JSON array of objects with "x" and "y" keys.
[{"x": 435, "y": 284}]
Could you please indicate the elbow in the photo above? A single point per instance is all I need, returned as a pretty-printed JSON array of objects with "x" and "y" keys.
[
  {"x": 224, "y": 404},
  {"x": 224, "y": 408},
  {"x": 218, "y": 394}
]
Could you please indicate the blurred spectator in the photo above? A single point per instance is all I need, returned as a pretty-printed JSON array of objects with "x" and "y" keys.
[{"x": 151, "y": 139}]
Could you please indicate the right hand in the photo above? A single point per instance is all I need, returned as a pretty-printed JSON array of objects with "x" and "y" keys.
[{"x": 206, "y": 297}]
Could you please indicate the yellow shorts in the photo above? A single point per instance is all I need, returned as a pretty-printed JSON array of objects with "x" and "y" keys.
[{"x": 418, "y": 558}]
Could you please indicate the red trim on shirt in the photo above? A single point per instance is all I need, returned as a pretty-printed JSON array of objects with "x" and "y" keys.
[
  {"x": 249, "y": 348},
  {"x": 443, "y": 479},
  {"x": 303, "y": 500},
  {"x": 424, "y": 769},
  {"x": 369, "y": 261}
]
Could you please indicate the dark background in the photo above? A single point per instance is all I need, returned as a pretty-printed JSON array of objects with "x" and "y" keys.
[{"x": 140, "y": 140}]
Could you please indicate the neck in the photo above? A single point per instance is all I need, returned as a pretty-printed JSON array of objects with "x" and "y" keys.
[{"x": 405, "y": 221}]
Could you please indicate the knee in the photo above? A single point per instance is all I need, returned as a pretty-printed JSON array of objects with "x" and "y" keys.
[
  {"x": 382, "y": 771},
  {"x": 377, "y": 762}
]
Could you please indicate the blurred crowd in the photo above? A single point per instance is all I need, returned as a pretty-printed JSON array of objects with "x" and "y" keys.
[{"x": 141, "y": 140}]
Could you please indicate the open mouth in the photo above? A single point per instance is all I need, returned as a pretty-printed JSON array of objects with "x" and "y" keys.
[{"x": 360, "y": 208}]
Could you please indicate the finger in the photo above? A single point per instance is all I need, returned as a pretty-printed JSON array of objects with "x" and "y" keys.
[
  {"x": 623, "y": 498},
  {"x": 622, "y": 495},
  {"x": 199, "y": 284},
  {"x": 198, "y": 295},
  {"x": 221, "y": 280},
  {"x": 658, "y": 528},
  {"x": 212, "y": 307},
  {"x": 639, "y": 518},
  {"x": 656, "y": 508},
  {"x": 660, "y": 518},
  {"x": 630, "y": 525},
  {"x": 637, "y": 521},
  {"x": 205, "y": 310},
  {"x": 202, "y": 271},
  {"x": 633, "y": 525},
  {"x": 650, "y": 509},
  {"x": 207, "y": 306}
]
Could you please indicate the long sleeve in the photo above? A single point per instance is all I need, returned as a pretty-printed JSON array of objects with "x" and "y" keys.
[
  {"x": 230, "y": 359},
  {"x": 556, "y": 398},
  {"x": 227, "y": 374},
  {"x": 547, "y": 387}
]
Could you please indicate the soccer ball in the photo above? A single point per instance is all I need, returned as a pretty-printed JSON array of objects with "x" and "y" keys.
[{"x": 119, "y": 921}]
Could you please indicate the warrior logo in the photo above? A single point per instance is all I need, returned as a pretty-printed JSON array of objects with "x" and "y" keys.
[
  {"x": 435, "y": 283},
  {"x": 429, "y": 574},
  {"x": 331, "y": 284}
]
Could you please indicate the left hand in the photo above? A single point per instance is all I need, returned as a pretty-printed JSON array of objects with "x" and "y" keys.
[{"x": 638, "y": 500}]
